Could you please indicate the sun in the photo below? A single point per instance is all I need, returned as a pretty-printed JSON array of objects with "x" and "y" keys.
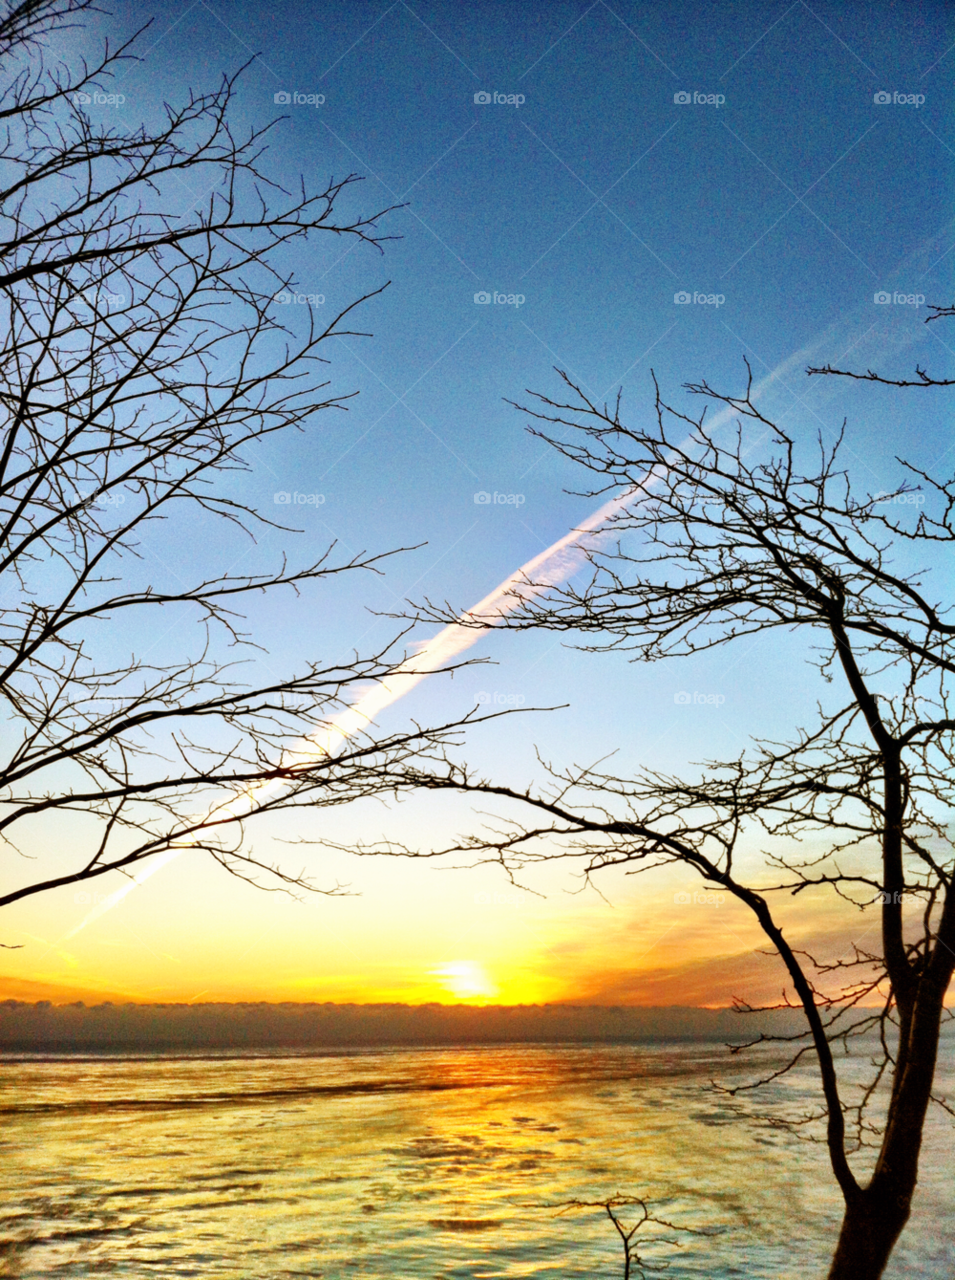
[{"x": 465, "y": 979}]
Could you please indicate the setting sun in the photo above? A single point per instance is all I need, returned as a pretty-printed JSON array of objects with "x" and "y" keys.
[{"x": 466, "y": 980}]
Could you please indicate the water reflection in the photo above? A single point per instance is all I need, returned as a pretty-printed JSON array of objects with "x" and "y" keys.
[{"x": 418, "y": 1163}]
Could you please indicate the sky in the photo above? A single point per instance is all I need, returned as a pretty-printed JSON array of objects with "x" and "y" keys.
[{"x": 630, "y": 155}]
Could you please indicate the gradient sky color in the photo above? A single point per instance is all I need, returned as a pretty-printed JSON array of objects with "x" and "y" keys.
[{"x": 597, "y": 200}]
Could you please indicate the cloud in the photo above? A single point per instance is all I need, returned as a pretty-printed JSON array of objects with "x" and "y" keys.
[
  {"x": 756, "y": 975},
  {"x": 58, "y": 993},
  {"x": 38, "y": 1027}
]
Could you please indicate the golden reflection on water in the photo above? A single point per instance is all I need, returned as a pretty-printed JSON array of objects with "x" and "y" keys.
[{"x": 426, "y": 1163}]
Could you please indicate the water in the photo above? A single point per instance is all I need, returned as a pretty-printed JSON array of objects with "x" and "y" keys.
[{"x": 439, "y": 1163}]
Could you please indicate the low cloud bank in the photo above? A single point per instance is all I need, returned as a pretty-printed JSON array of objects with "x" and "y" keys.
[{"x": 45, "y": 1027}]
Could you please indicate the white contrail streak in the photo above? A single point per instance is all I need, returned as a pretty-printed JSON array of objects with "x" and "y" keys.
[{"x": 550, "y": 568}]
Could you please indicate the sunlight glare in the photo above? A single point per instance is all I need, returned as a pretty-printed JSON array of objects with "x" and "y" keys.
[{"x": 465, "y": 979}]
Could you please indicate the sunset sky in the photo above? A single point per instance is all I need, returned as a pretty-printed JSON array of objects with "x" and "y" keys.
[{"x": 595, "y": 201}]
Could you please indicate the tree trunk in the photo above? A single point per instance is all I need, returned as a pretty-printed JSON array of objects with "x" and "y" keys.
[
  {"x": 870, "y": 1228},
  {"x": 876, "y": 1214}
]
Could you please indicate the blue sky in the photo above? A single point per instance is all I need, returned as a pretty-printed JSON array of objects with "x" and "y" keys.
[
  {"x": 598, "y": 199},
  {"x": 781, "y": 191}
]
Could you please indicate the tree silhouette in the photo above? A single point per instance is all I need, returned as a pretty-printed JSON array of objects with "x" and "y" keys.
[
  {"x": 144, "y": 360},
  {"x": 727, "y": 534}
]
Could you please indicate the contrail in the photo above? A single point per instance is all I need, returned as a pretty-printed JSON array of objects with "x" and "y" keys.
[
  {"x": 550, "y": 568},
  {"x": 554, "y": 565}
]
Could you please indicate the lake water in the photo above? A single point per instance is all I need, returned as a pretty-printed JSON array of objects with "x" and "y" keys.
[{"x": 438, "y": 1163}]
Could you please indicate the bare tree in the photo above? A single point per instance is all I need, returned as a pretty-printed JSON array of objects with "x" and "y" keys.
[
  {"x": 634, "y": 1264},
  {"x": 733, "y": 533},
  {"x": 142, "y": 364}
]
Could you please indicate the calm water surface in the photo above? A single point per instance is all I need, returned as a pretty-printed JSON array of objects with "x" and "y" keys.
[{"x": 443, "y": 1164}]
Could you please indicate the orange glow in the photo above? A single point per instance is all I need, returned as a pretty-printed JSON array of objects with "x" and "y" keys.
[
  {"x": 466, "y": 980},
  {"x": 192, "y": 934}
]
